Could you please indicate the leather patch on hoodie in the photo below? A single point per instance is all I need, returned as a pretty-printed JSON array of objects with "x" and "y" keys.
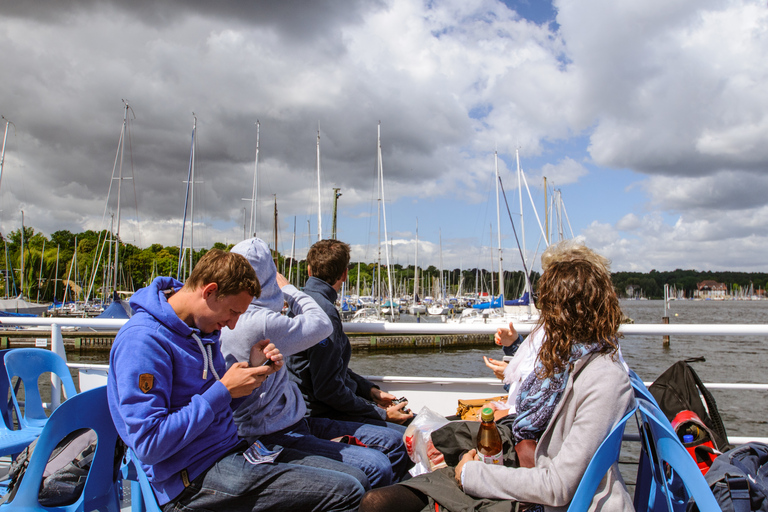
[{"x": 146, "y": 382}]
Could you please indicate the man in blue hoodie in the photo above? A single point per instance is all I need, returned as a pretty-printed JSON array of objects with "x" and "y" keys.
[
  {"x": 171, "y": 398},
  {"x": 274, "y": 413},
  {"x": 322, "y": 372}
]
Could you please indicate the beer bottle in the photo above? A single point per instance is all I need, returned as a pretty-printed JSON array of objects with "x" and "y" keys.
[{"x": 489, "y": 446}]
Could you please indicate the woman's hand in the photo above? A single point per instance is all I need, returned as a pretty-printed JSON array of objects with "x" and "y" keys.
[
  {"x": 506, "y": 337},
  {"x": 496, "y": 366},
  {"x": 470, "y": 455}
]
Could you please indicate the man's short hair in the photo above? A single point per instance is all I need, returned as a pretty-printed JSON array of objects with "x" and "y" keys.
[
  {"x": 230, "y": 271},
  {"x": 328, "y": 259}
]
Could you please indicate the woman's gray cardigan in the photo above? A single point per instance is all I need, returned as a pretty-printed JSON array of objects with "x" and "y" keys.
[{"x": 596, "y": 397}]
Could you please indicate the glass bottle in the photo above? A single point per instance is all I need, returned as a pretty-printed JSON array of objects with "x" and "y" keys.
[{"x": 489, "y": 447}]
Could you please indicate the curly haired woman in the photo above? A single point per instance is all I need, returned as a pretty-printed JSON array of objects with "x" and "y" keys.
[{"x": 566, "y": 407}]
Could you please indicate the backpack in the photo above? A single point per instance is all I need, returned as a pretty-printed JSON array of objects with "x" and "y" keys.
[
  {"x": 739, "y": 478},
  {"x": 67, "y": 469},
  {"x": 679, "y": 392}
]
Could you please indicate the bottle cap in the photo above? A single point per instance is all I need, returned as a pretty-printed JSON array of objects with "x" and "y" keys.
[
  {"x": 688, "y": 438},
  {"x": 486, "y": 414}
]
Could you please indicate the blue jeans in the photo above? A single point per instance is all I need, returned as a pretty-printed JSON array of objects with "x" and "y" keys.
[
  {"x": 384, "y": 462},
  {"x": 296, "y": 483}
]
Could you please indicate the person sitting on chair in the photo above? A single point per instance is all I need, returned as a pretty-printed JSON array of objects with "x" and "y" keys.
[
  {"x": 171, "y": 397},
  {"x": 274, "y": 413},
  {"x": 566, "y": 407},
  {"x": 322, "y": 372}
]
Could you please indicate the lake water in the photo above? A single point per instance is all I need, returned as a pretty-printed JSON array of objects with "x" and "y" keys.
[{"x": 728, "y": 358}]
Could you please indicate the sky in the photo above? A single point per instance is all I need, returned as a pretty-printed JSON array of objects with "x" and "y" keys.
[{"x": 649, "y": 121}]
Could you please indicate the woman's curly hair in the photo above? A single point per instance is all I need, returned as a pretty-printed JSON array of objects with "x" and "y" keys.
[{"x": 577, "y": 304}]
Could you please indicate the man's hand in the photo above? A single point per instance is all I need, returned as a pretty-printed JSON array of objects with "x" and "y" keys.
[
  {"x": 241, "y": 379},
  {"x": 496, "y": 366},
  {"x": 470, "y": 455},
  {"x": 263, "y": 351},
  {"x": 382, "y": 398},
  {"x": 281, "y": 280},
  {"x": 506, "y": 337},
  {"x": 395, "y": 413}
]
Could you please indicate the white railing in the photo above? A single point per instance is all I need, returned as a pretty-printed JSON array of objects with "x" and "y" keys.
[{"x": 92, "y": 374}]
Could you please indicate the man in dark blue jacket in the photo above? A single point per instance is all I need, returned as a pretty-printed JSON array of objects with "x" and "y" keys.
[
  {"x": 322, "y": 372},
  {"x": 171, "y": 398}
]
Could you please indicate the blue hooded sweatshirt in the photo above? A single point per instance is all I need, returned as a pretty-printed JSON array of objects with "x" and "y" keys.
[
  {"x": 277, "y": 404},
  {"x": 164, "y": 394}
]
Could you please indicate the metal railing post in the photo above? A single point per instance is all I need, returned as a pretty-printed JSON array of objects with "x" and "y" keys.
[{"x": 57, "y": 347}]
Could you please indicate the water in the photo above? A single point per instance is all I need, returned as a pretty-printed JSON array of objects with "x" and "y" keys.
[{"x": 728, "y": 358}]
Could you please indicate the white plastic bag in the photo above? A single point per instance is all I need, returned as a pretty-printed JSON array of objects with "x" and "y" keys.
[{"x": 418, "y": 441}]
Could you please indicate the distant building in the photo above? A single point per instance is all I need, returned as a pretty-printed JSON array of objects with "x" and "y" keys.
[{"x": 710, "y": 290}]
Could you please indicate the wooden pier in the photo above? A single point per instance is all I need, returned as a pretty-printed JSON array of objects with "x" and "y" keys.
[{"x": 85, "y": 340}]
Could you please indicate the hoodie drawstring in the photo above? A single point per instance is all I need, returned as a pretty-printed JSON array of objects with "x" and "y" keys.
[{"x": 207, "y": 358}]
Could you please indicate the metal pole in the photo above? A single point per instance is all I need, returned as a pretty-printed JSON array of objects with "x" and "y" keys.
[
  {"x": 57, "y": 347},
  {"x": 336, "y": 195}
]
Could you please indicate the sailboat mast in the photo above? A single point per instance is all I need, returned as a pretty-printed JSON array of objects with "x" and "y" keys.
[
  {"x": 384, "y": 215},
  {"x": 252, "y": 226},
  {"x": 498, "y": 225},
  {"x": 186, "y": 202},
  {"x": 522, "y": 220},
  {"x": 192, "y": 199},
  {"x": 546, "y": 214},
  {"x": 40, "y": 274},
  {"x": 275, "y": 231},
  {"x": 22, "y": 253},
  {"x": 416, "y": 267},
  {"x": 55, "y": 277},
  {"x": 293, "y": 251},
  {"x": 319, "y": 210},
  {"x": 442, "y": 282},
  {"x": 119, "y": 187},
  {"x": 2, "y": 156}
]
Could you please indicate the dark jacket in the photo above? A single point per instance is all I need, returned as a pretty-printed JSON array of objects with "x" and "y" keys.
[{"x": 322, "y": 372}]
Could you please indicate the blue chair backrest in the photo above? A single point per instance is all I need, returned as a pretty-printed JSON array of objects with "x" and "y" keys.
[
  {"x": 88, "y": 410},
  {"x": 605, "y": 457},
  {"x": 142, "y": 496},
  {"x": 28, "y": 364},
  {"x": 6, "y": 405},
  {"x": 674, "y": 473},
  {"x": 641, "y": 391}
]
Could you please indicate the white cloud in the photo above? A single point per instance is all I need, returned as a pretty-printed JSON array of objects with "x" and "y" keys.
[{"x": 672, "y": 91}]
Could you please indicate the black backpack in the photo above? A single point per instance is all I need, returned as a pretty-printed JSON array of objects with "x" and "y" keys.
[
  {"x": 680, "y": 389},
  {"x": 739, "y": 478}
]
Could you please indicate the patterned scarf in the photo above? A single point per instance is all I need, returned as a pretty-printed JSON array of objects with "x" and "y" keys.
[{"x": 538, "y": 397}]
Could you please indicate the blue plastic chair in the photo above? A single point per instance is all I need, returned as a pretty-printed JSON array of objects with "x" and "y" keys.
[
  {"x": 142, "y": 496},
  {"x": 641, "y": 391},
  {"x": 12, "y": 442},
  {"x": 88, "y": 410},
  {"x": 674, "y": 476},
  {"x": 606, "y": 456},
  {"x": 6, "y": 406},
  {"x": 28, "y": 364}
]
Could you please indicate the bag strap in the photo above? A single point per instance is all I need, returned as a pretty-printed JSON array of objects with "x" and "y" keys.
[
  {"x": 739, "y": 490},
  {"x": 714, "y": 414}
]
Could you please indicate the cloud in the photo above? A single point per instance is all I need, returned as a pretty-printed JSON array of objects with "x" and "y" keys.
[{"x": 670, "y": 94}]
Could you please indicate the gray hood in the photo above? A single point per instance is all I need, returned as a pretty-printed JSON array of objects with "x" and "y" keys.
[{"x": 259, "y": 256}]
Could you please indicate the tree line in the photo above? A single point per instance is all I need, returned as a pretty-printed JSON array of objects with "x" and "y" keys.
[{"x": 82, "y": 265}]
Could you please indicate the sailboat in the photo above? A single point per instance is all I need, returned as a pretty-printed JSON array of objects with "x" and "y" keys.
[
  {"x": 365, "y": 314},
  {"x": 498, "y": 310},
  {"x": 439, "y": 307},
  {"x": 18, "y": 305}
]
